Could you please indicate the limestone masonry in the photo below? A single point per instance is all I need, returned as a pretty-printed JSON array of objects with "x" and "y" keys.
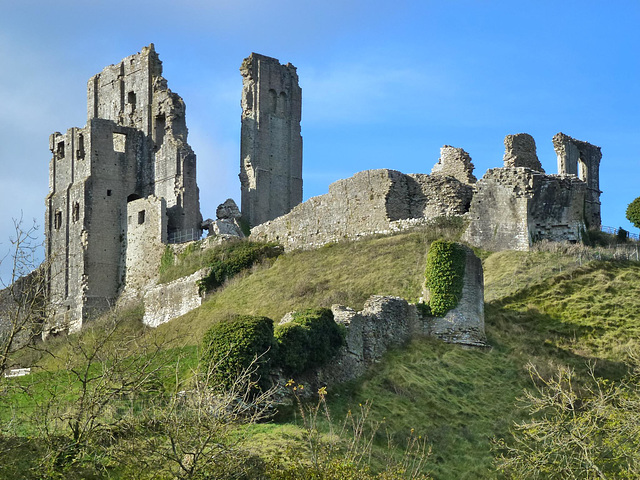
[
  {"x": 124, "y": 187},
  {"x": 582, "y": 159},
  {"x": 125, "y": 180},
  {"x": 271, "y": 145},
  {"x": 370, "y": 202}
]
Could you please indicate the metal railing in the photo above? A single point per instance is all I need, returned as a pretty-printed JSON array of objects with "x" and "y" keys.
[
  {"x": 183, "y": 236},
  {"x": 614, "y": 231}
]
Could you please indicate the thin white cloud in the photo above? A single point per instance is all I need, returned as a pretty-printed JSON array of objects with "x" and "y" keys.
[{"x": 364, "y": 93}]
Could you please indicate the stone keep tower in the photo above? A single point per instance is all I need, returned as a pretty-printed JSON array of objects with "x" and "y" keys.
[
  {"x": 134, "y": 146},
  {"x": 271, "y": 145}
]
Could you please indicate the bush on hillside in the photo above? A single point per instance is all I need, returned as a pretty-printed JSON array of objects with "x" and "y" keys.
[
  {"x": 309, "y": 340},
  {"x": 633, "y": 212},
  {"x": 232, "y": 345},
  {"x": 590, "y": 432},
  {"x": 622, "y": 235},
  {"x": 234, "y": 258},
  {"x": 444, "y": 275}
]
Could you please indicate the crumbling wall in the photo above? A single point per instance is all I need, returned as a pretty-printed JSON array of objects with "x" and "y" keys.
[
  {"x": 520, "y": 151},
  {"x": 271, "y": 144},
  {"x": 167, "y": 301},
  {"x": 465, "y": 323},
  {"x": 514, "y": 207},
  {"x": 370, "y": 202},
  {"x": 580, "y": 158},
  {"x": 455, "y": 162},
  {"x": 386, "y": 322},
  {"x": 146, "y": 238}
]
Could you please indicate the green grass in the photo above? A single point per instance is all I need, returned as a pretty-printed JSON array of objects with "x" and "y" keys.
[
  {"x": 550, "y": 308},
  {"x": 347, "y": 273}
]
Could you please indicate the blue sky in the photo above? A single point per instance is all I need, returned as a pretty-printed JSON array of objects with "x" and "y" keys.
[{"x": 385, "y": 83}]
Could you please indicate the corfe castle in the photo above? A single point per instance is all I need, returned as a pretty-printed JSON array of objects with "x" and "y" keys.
[{"x": 124, "y": 186}]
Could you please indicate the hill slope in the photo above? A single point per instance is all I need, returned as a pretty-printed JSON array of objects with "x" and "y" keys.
[{"x": 542, "y": 307}]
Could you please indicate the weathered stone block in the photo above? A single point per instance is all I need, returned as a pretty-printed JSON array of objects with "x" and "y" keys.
[
  {"x": 520, "y": 151},
  {"x": 465, "y": 323},
  {"x": 171, "y": 300},
  {"x": 454, "y": 162}
]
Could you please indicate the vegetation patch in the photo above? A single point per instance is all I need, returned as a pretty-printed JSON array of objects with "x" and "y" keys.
[
  {"x": 309, "y": 340},
  {"x": 239, "y": 343},
  {"x": 231, "y": 260},
  {"x": 225, "y": 260},
  {"x": 445, "y": 275}
]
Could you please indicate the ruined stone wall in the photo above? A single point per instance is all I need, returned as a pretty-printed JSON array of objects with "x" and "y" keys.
[
  {"x": 271, "y": 144},
  {"x": 370, "y": 202},
  {"x": 146, "y": 237},
  {"x": 387, "y": 322},
  {"x": 134, "y": 146},
  {"x": 455, "y": 162},
  {"x": 580, "y": 158},
  {"x": 514, "y": 207},
  {"x": 170, "y": 300},
  {"x": 465, "y": 323}
]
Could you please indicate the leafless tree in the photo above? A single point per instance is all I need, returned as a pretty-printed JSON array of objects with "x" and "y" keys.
[{"x": 22, "y": 299}]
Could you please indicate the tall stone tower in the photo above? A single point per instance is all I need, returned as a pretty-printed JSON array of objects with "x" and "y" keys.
[
  {"x": 134, "y": 146},
  {"x": 271, "y": 144}
]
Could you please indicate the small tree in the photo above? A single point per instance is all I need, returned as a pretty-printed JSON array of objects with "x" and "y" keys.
[
  {"x": 22, "y": 299},
  {"x": 84, "y": 384},
  {"x": 193, "y": 432},
  {"x": 571, "y": 433},
  {"x": 633, "y": 212}
]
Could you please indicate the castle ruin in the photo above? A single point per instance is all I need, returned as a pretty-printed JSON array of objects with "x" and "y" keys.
[
  {"x": 124, "y": 186},
  {"x": 582, "y": 159},
  {"x": 128, "y": 168},
  {"x": 271, "y": 145}
]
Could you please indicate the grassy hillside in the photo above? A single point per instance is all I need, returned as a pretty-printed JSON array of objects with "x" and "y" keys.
[
  {"x": 549, "y": 308},
  {"x": 544, "y": 308}
]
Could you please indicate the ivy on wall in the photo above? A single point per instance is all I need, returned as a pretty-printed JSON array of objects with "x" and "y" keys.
[{"x": 444, "y": 275}]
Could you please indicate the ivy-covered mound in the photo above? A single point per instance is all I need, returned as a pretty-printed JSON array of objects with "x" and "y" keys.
[
  {"x": 309, "y": 340},
  {"x": 230, "y": 346},
  {"x": 444, "y": 275}
]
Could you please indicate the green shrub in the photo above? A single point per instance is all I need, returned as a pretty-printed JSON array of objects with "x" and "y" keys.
[
  {"x": 230, "y": 346},
  {"x": 445, "y": 275},
  {"x": 310, "y": 340},
  {"x": 633, "y": 212},
  {"x": 622, "y": 235},
  {"x": 233, "y": 258},
  {"x": 293, "y": 342},
  {"x": 597, "y": 238}
]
